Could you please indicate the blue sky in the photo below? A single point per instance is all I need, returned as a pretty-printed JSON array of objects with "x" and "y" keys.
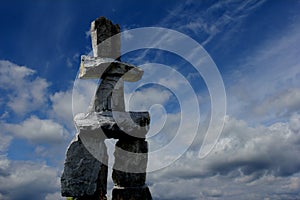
[{"x": 254, "y": 44}]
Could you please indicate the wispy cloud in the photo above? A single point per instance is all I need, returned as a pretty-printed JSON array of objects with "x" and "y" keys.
[
  {"x": 265, "y": 82},
  {"x": 206, "y": 22}
]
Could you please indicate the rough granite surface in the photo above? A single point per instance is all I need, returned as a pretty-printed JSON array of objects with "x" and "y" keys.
[{"x": 81, "y": 176}]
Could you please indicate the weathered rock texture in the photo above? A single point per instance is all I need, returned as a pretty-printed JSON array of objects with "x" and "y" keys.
[
  {"x": 133, "y": 193},
  {"x": 85, "y": 172},
  {"x": 130, "y": 164},
  {"x": 88, "y": 175},
  {"x": 93, "y": 67},
  {"x": 102, "y": 31}
]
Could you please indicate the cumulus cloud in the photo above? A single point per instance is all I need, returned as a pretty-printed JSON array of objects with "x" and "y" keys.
[
  {"x": 62, "y": 106},
  {"x": 256, "y": 151},
  {"x": 5, "y": 141},
  {"x": 250, "y": 158},
  {"x": 144, "y": 99},
  {"x": 28, "y": 180},
  {"x": 24, "y": 91},
  {"x": 37, "y": 130},
  {"x": 174, "y": 189},
  {"x": 76, "y": 100}
]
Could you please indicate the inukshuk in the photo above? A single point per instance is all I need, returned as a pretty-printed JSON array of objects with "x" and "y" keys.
[{"x": 85, "y": 170}]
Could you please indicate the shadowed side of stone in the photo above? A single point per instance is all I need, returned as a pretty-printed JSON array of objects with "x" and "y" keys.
[
  {"x": 103, "y": 29},
  {"x": 131, "y": 156},
  {"x": 128, "y": 164},
  {"x": 131, "y": 194},
  {"x": 84, "y": 175}
]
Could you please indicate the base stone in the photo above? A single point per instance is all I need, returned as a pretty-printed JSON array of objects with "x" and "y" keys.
[
  {"x": 138, "y": 193},
  {"x": 84, "y": 176},
  {"x": 129, "y": 173},
  {"x": 130, "y": 163}
]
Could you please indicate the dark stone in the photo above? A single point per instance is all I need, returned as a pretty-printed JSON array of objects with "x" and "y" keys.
[
  {"x": 120, "y": 125},
  {"x": 127, "y": 132},
  {"x": 105, "y": 28},
  {"x": 98, "y": 67},
  {"x": 130, "y": 169},
  {"x": 101, "y": 30},
  {"x": 140, "y": 118},
  {"x": 124, "y": 179},
  {"x": 83, "y": 174},
  {"x": 139, "y": 193}
]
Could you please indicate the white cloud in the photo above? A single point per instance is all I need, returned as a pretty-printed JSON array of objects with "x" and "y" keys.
[
  {"x": 25, "y": 92},
  {"x": 255, "y": 150},
  {"x": 176, "y": 189},
  {"x": 264, "y": 86},
  {"x": 283, "y": 102},
  {"x": 5, "y": 141},
  {"x": 4, "y": 164},
  {"x": 294, "y": 183},
  {"x": 37, "y": 130},
  {"x": 254, "y": 160},
  {"x": 67, "y": 103},
  {"x": 28, "y": 180},
  {"x": 143, "y": 99},
  {"x": 62, "y": 106},
  {"x": 54, "y": 196},
  {"x": 295, "y": 123}
]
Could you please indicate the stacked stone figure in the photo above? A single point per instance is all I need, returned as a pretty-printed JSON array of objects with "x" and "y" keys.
[{"x": 85, "y": 170}]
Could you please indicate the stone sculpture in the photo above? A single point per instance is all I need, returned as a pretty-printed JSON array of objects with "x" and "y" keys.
[{"x": 85, "y": 170}]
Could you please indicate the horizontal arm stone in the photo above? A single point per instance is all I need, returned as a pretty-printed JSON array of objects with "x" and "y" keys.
[
  {"x": 117, "y": 125},
  {"x": 96, "y": 67}
]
